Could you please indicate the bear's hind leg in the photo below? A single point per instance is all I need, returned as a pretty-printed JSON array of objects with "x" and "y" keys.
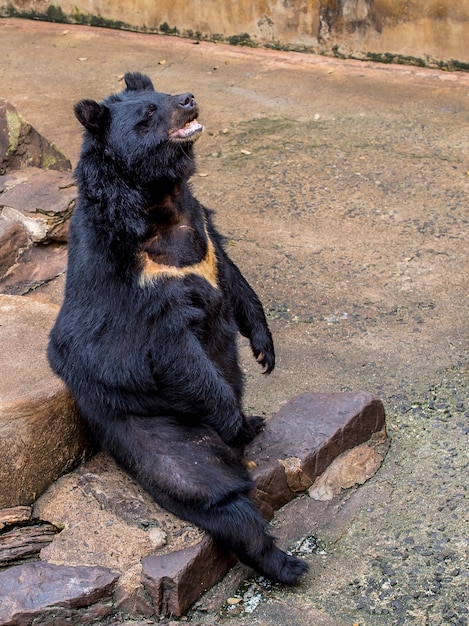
[
  {"x": 207, "y": 484},
  {"x": 237, "y": 525},
  {"x": 193, "y": 474}
]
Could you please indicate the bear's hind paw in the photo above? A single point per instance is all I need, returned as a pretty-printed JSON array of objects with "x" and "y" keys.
[
  {"x": 252, "y": 426},
  {"x": 281, "y": 567}
]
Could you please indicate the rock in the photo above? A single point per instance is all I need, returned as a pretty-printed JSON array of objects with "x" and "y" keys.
[
  {"x": 13, "y": 240},
  {"x": 92, "y": 534},
  {"x": 297, "y": 480},
  {"x": 24, "y": 542},
  {"x": 37, "y": 197},
  {"x": 157, "y": 537},
  {"x": 15, "y": 515},
  {"x": 272, "y": 490},
  {"x": 109, "y": 520},
  {"x": 41, "y": 201},
  {"x": 174, "y": 581},
  {"x": 165, "y": 564},
  {"x": 353, "y": 467},
  {"x": 33, "y": 592},
  {"x": 35, "y": 207},
  {"x": 36, "y": 266},
  {"x": 129, "y": 594},
  {"x": 304, "y": 437},
  {"x": 21, "y": 145},
  {"x": 41, "y": 433}
]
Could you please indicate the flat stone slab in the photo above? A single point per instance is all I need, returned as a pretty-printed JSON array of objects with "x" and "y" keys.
[
  {"x": 44, "y": 593},
  {"x": 304, "y": 437},
  {"x": 41, "y": 434}
]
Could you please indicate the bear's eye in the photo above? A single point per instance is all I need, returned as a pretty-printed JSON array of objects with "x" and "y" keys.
[
  {"x": 150, "y": 110},
  {"x": 145, "y": 118}
]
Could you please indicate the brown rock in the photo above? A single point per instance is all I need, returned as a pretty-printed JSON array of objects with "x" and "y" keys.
[
  {"x": 13, "y": 240},
  {"x": 41, "y": 433},
  {"x": 105, "y": 539},
  {"x": 21, "y": 145},
  {"x": 272, "y": 490},
  {"x": 305, "y": 436},
  {"x": 24, "y": 542},
  {"x": 109, "y": 520},
  {"x": 35, "y": 266},
  {"x": 15, "y": 515},
  {"x": 174, "y": 581},
  {"x": 35, "y": 207},
  {"x": 297, "y": 480},
  {"x": 32, "y": 593},
  {"x": 129, "y": 594},
  {"x": 41, "y": 201},
  {"x": 353, "y": 467}
]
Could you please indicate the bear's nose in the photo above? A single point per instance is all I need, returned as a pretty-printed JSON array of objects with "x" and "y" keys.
[{"x": 187, "y": 101}]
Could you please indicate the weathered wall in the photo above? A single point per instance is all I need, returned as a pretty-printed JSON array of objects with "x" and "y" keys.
[{"x": 433, "y": 32}]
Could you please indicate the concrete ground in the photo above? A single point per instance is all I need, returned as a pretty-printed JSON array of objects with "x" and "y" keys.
[{"x": 343, "y": 190}]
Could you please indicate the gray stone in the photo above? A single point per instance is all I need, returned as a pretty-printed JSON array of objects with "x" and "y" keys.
[
  {"x": 276, "y": 612},
  {"x": 41, "y": 433},
  {"x": 22, "y": 146},
  {"x": 43, "y": 593}
]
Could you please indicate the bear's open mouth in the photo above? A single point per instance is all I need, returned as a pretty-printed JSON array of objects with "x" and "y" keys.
[{"x": 191, "y": 130}]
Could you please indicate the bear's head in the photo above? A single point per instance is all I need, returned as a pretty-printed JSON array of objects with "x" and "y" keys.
[{"x": 145, "y": 135}]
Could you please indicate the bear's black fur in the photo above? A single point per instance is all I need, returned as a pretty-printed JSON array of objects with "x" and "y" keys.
[{"x": 146, "y": 336}]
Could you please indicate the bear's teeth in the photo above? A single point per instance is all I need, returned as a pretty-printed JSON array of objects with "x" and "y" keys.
[{"x": 186, "y": 131}]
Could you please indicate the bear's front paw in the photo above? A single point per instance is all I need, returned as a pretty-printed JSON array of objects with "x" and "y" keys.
[
  {"x": 263, "y": 350},
  {"x": 267, "y": 360}
]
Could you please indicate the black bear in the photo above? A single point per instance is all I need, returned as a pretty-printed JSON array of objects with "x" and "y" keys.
[{"x": 146, "y": 336}]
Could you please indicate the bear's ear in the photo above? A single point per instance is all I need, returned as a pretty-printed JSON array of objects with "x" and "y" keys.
[
  {"x": 138, "y": 82},
  {"x": 93, "y": 116}
]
